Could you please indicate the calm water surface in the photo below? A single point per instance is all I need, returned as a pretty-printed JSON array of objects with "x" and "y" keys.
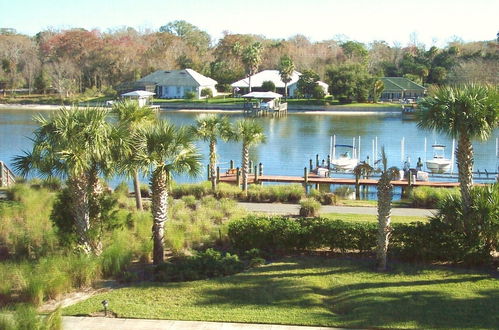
[{"x": 291, "y": 141}]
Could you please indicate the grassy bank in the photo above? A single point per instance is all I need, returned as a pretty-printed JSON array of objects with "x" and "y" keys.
[{"x": 318, "y": 291}]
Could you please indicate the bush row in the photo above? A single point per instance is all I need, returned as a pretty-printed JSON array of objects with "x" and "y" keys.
[
  {"x": 290, "y": 193},
  {"x": 429, "y": 197},
  {"x": 431, "y": 241},
  {"x": 256, "y": 193}
]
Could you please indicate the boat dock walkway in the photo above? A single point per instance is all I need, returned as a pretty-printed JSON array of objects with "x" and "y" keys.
[{"x": 314, "y": 179}]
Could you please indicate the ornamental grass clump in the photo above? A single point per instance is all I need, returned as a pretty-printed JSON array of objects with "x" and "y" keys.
[{"x": 309, "y": 207}]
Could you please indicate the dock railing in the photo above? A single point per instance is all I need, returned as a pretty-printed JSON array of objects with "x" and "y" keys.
[{"x": 7, "y": 177}]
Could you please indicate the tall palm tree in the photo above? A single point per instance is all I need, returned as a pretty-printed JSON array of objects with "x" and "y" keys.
[
  {"x": 286, "y": 69},
  {"x": 209, "y": 128},
  {"x": 76, "y": 145},
  {"x": 131, "y": 117},
  {"x": 249, "y": 132},
  {"x": 164, "y": 150},
  {"x": 385, "y": 194},
  {"x": 252, "y": 57},
  {"x": 463, "y": 112}
]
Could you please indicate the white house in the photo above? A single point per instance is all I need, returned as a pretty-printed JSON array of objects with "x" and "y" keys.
[
  {"x": 177, "y": 83},
  {"x": 274, "y": 76}
]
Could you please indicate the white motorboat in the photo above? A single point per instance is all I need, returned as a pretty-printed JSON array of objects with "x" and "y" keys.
[
  {"x": 438, "y": 164},
  {"x": 345, "y": 162}
]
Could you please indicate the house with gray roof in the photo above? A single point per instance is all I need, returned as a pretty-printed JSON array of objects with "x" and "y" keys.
[
  {"x": 177, "y": 83},
  {"x": 396, "y": 88}
]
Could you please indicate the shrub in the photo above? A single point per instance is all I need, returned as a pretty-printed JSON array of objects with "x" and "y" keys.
[
  {"x": 476, "y": 233},
  {"x": 145, "y": 191},
  {"x": 318, "y": 92},
  {"x": 268, "y": 86},
  {"x": 190, "y": 201},
  {"x": 266, "y": 233},
  {"x": 430, "y": 197},
  {"x": 209, "y": 263},
  {"x": 309, "y": 207},
  {"x": 25, "y": 228},
  {"x": 324, "y": 197},
  {"x": 118, "y": 255},
  {"x": 190, "y": 95},
  {"x": 25, "y": 317},
  {"x": 207, "y": 92},
  {"x": 122, "y": 189},
  {"x": 52, "y": 184},
  {"x": 274, "y": 193}
]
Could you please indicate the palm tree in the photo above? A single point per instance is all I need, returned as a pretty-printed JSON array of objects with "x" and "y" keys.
[
  {"x": 76, "y": 145},
  {"x": 385, "y": 194},
  {"x": 466, "y": 112},
  {"x": 131, "y": 117},
  {"x": 164, "y": 150},
  {"x": 286, "y": 69},
  {"x": 251, "y": 59},
  {"x": 362, "y": 169},
  {"x": 209, "y": 128},
  {"x": 378, "y": 87},
  {"x": 249, "y": 132}
]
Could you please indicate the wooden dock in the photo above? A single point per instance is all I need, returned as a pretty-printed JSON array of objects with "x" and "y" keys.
[
  {"x": 314, "y": 179},
  {"x": 7, "y": 177}
]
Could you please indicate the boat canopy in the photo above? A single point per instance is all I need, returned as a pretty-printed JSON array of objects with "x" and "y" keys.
[
  {"x": 344, "y": 145},
  {"x": 263, "y": 95},
  {"x": 438, "y": 146}
]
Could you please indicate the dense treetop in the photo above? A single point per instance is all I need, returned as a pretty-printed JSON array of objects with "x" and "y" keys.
[{"x": 71, "y": 61}]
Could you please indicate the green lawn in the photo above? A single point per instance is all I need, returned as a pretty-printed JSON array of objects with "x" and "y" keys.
[
  {"x": 371, "y": 218},
  {"x": 318, "y": 291}
]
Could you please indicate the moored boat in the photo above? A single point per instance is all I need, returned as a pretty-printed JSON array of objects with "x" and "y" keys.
[{"x": 438, "y": 164}]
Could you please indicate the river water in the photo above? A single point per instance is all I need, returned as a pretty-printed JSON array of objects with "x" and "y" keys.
[{"x": 291, "y": 140}]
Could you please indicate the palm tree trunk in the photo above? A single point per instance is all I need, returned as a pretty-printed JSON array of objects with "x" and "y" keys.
[
  {"x": 136, "y": 189},
  {"x": 81, "y": 211},
  {"x": 159, "y": 212},
  {"x": 249, "y": 82},
  {"x": 384, "y": 229},
  {"x": 213, "y": 164},
  {"x": 464, "y": 155},
  {"x": 286, "y": 91},
  {"x": 95, "y": 191},
  {"x": 245, "y": 166}
]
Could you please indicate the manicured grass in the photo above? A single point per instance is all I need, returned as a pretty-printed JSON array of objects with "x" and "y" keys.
[
  {"x": 371, "y": 218},
  {"x": 318, "y": 291}
]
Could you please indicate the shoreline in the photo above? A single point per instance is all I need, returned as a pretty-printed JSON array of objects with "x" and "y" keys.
[{"x": 301, "y": 110}]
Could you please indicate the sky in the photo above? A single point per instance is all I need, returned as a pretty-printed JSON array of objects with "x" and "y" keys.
[{"x": 430, "y": 22}]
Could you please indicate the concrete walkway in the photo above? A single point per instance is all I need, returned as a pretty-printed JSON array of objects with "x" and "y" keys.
[
  {"x": 277, "y": 208},
  {"x": 103, "y": 323}
]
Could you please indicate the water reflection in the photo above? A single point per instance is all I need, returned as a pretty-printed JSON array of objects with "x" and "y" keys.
[{"x": 291, "y": 141}]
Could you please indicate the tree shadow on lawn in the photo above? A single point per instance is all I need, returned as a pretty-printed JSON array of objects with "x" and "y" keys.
[{"x": 378, "y": 302}]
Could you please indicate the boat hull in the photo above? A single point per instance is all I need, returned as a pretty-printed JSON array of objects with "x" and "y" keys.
[
  {"x": 344, "y": 164},
  {"x": 438, "y": 166}
]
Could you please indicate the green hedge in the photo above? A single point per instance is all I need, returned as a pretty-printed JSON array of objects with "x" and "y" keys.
[{"x": 417, "y": 241}]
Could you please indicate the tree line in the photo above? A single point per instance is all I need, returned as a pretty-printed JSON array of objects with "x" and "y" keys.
[{"x": 76, "y": 60}]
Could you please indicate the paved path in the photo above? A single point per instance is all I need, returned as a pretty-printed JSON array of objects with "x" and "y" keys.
[
  {"x": 277, "y": 208},
  {"x": 103, "y": 323}
]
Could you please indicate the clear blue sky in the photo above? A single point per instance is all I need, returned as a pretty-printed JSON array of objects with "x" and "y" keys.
[{"x": 432, "y": 21}]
